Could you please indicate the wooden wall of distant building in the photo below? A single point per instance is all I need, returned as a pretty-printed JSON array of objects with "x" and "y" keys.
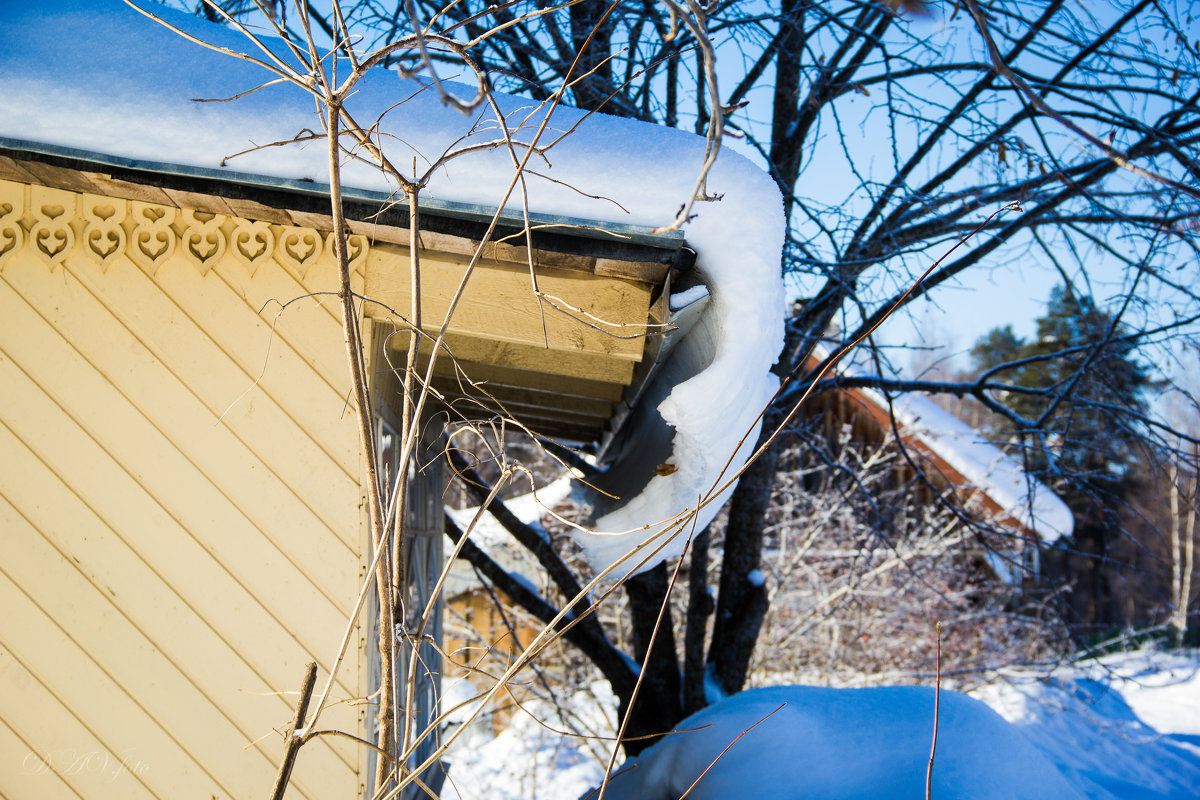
[
  {"x": 870, "y": 425},
  {"x": 482, "y": 640}
]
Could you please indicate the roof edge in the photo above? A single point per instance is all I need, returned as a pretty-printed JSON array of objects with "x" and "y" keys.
[{"x": 634, "y": 241}]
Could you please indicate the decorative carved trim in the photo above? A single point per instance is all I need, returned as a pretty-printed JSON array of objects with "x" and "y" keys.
[
  {"x": 151, "y": 239},
  {"x": 50, "y": 236},
  {"x": 104, "y": 238},
  {"x": 298, "y": 250},
  {"x": 356, "y": 246},
  {"x": 202, "y": 238},
  {"x": 252, "y": 243},
  {"x": 12, "y": 235},
  {"x": 53, "y": 225}
]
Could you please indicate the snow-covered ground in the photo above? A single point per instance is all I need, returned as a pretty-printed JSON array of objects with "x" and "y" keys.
[
  {"x": 1123, "y": 726},
  {"x": 532, "y": 759}
]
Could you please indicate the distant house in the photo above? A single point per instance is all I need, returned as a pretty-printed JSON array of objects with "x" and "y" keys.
[
  {"x": 954, "y": 456},
  {"x": 181, "y": 486}
]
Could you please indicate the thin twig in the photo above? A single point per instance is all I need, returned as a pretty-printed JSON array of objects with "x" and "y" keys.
[
  {"x": 727, "y": 749},
  {"x": 1115, "y": 155},
  {"x": 937, "y": 709}
]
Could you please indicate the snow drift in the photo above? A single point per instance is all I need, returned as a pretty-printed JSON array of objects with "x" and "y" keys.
[{"x": 1124, "y": 726}]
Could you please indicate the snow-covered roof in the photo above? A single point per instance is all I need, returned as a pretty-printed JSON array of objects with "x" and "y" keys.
[
  {"x": 1015, "y": 493},
  {"x": 1018, "y": 494},
  {"x": 492, "y": 538},
  {"x": 98, "y": 77}
]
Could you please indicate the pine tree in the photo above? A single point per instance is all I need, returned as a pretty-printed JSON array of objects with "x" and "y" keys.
[{"x": 1081, "y": 379}]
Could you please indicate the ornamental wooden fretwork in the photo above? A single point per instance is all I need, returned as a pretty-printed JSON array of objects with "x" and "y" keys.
[{"x": 52, "y": 225}]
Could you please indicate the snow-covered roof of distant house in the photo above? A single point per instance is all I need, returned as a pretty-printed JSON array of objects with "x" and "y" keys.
[
  {"x": 1018, "y": 494},
  {"x": 1014, "y": 492},
  {"x": 100, "y": 78},
  {"x": 492, "y": 538}
]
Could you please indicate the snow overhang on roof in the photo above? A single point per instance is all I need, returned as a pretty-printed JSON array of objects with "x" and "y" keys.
[{"x": 103, "y": 80}]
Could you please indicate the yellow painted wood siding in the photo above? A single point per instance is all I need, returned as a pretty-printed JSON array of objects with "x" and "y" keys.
[{"x": 179, "y": 500}]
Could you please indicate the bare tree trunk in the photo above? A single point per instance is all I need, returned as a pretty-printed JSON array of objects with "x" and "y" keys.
[
  {"x": 700, "y": 608},
  {"x": 742, "y": 597},
  {"x": 785, "y": 155},
  {"x": 591, "y": 35},
  {"x": 1183, "y": 542},
  {"x": 1176, "y": 565},
  {"x": 1189, "y": 551},
  {"x": 366, "y": 435},
  {"x": 658, "y": 708}
]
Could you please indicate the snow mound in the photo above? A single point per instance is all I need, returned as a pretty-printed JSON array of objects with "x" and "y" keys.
[
  {"x": 826, "y": 743},
  {"x": 1125, "y": 726},
  {"x": 529, "y": 758},
  {"x": 124, "y": 88}
]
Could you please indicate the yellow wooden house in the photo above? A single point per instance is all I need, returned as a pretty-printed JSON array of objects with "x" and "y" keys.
[
  {"x": 182, "y": 502},
  {"x": 182, "y": 524},
  {"x": 181, "y": 487}
]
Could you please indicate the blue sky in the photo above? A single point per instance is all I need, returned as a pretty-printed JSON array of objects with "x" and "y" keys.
[{"x": 1013, "y": 284}]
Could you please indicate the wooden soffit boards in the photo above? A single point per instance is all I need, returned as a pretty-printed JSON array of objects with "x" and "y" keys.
[
  {"x": 555, "y": 359},
  {"x": 548, "y": 320}
]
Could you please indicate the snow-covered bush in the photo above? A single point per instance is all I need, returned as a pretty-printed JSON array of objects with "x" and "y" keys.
[{"x": 864, "y": 560}]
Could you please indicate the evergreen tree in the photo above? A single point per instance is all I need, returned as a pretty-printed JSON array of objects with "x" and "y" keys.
[{"x": 1074, "y": 386}]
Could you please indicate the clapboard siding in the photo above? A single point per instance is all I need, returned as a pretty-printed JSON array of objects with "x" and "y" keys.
[
  {"x": 231, "y": 382},
  {"x": 179, "y": 510},
  {"x": 43, "y": 646},
  {"x": 213, "y": 651},
  {"x": 105, "y": 447},
  {"x": 148, "y": 622},
  {"x": 106, "y": 357}
]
